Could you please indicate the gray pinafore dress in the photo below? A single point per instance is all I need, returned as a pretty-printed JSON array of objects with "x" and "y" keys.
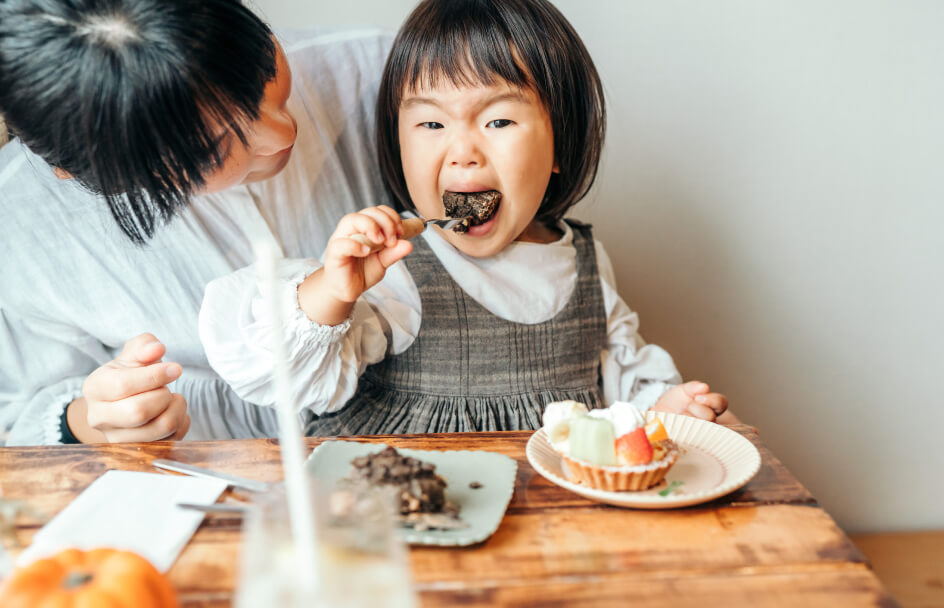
[{"x": 469, "y": 370}]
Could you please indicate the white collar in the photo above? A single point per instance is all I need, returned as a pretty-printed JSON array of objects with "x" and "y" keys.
[{"x": 523, "y": 283}]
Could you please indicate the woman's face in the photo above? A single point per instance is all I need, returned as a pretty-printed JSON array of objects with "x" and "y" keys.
[
  {"x": 271, "y": 137},
  {"x": 474, "y": 139}
]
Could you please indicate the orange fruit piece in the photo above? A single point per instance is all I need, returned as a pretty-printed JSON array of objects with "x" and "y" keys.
[{"x": 655, "y": 431}]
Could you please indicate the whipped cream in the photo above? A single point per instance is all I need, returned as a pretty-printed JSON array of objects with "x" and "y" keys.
[
  {"x": 624, "y": 416},
  {"x": 557, "y": 419}
]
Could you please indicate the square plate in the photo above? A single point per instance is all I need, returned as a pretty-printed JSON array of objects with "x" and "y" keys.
[
  {"x": 481, "y": 508},
  {"x": 714, "y": 461}
]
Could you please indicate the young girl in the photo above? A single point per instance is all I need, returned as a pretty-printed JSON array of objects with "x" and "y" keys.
[{"x": 478, "y": 330}]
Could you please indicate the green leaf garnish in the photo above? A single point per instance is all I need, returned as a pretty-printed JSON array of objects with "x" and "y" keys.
[{"x": 671, "y": 488}]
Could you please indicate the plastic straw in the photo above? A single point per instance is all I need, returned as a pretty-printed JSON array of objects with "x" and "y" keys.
[{"x": 298, "y": 489}]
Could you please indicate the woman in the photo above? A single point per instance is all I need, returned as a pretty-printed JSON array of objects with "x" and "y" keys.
[{"x": 155, "y": 140}]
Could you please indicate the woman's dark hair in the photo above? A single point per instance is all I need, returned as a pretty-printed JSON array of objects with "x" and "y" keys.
[
  {"x": 133, "y": 97},
  {"x": 526, "y": 43}
]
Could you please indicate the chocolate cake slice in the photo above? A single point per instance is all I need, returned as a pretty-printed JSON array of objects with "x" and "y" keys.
[
  {"x": 419, "y": 490},
  {"x": 476, "y": 207}
]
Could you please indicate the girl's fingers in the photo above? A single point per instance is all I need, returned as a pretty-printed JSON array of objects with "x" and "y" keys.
[
  {"x": 359, "y": 223},
  {"x": 694, "y": 388},
  {"x": 393, "y": 215},
  {"x": 387, "y": 223},
  {"x": 375, "y": 267},
  {"x": 389, "y": 256},
  {"x": 345, "y": 226},
  {"x": 701, "y": 411},
  {"x": 716, "y": 401},
  {"x": 379, "y": 225},
  {"x": 340, "y": 249}
]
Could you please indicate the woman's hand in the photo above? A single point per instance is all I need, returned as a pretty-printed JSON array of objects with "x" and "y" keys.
[
  {"x": 692, "y": 399},
  {"x": 350, "y": 267},
  {"x": 127, "y": 398}
]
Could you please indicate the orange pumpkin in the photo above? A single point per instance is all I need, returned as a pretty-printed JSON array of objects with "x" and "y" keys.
[{"x": 103, "y": 578}]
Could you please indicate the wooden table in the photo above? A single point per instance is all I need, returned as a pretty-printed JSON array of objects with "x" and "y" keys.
[{"x": 768, "y": 544}]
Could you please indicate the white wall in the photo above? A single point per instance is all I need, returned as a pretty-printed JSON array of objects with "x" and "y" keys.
[{"x": 771, "y": 197}]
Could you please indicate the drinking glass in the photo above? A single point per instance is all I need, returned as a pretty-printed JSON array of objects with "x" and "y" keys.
[{"x": 361, "y": 562}]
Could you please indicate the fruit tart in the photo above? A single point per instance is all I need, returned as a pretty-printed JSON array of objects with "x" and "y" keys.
[{"x": 611, "y": 449}]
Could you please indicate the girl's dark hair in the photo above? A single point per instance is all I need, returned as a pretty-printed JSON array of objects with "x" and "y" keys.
[
  {"x": 526, "y": 43},
  {"x": 133, "y": 97}
]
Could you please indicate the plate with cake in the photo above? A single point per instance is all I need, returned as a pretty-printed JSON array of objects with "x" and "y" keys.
[
  {"x": 657, "y": 460},
  {"x": 448, "y": 498}
]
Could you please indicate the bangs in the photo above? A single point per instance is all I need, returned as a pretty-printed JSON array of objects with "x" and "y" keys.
[{"x": 473, "y": 55}]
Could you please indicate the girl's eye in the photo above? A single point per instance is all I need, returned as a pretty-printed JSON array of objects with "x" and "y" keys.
[
  {"x": 431, "y": 125},
  {"x": 499, "y": 123}
]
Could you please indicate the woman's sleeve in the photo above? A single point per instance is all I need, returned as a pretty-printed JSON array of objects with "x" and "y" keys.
[
  {"x": 632, "y": 370},
  {"x": 42, "y": 367},
  {"x": 325, "y": 362}
]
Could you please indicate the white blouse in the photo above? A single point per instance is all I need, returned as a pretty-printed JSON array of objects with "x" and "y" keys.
[
  {"x": 524, "y": 283},
  {"x": 73, "y": 288}
]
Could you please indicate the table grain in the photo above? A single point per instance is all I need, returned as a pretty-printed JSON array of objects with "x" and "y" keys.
[{"x": 768, "y": 544}]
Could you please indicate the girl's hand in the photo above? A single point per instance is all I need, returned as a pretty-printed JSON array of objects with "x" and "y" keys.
[
  {"x": 692, "y": 399},
  {"x": 350, "y": 268}
]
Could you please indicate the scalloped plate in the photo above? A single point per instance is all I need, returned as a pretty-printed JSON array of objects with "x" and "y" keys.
[
  {"x": 715, "y": 461},
  {"x": 481, "y": 508}
]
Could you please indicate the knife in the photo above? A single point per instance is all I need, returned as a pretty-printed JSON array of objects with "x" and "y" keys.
[
  {"x": 214, "y": 508},
  {"x": 233, "y": 480}
]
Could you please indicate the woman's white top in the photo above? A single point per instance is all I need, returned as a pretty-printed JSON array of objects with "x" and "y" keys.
[
  {"x": 73, "y": 288},
  {"x": 525, "y": 283}
]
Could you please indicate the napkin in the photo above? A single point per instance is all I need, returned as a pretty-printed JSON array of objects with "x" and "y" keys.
[{"x": 132, "y": 511}]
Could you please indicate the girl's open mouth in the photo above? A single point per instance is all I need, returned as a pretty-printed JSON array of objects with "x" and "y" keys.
[{"x": 477, "y": 207}]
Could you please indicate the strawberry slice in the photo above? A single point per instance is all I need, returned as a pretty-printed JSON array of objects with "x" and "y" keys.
[{"x": 634, "y": 448}]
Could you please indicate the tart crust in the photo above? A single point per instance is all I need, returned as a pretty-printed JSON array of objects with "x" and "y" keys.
[{"x": 623, "y": 478}]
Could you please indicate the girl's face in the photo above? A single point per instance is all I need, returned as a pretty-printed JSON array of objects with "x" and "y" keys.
[
  {"x": 271, "y": 137},
  {"x": 474, "y": 139}
]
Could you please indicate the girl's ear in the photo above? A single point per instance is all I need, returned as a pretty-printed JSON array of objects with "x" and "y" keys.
[
  {"x": 555, "y": 168},
  {"x": 61, "y": 173}
]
